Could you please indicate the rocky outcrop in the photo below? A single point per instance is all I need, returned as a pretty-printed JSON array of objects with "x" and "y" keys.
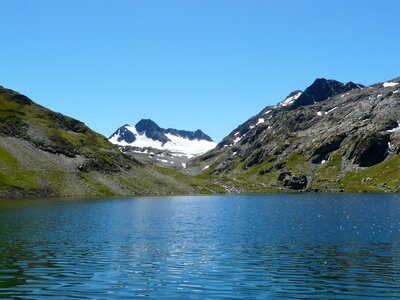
[
  {"x": 370, "y": 150},
  {"x": 293, "y": 182},
  {"x": 327, "y": 147}
]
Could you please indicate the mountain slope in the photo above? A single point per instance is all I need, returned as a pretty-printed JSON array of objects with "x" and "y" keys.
[
  {"x": 151, "y": 144},
  {"x": 349, "y": 139},
  {"x": 43, "y": 153}
]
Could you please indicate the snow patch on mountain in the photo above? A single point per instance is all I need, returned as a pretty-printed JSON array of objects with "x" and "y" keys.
[
  {"x": 260, "y": 121},
  {"x": 290, "y": 99},
  {"x": 396, "y": 128},
  {"x": 390, "y": 84}
]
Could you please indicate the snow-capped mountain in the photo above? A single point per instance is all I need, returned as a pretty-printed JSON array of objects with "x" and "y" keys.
[{"x": 150, "y": 143}]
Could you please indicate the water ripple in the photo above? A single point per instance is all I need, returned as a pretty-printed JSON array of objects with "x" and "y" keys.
[{"x": 248, "y": 247}]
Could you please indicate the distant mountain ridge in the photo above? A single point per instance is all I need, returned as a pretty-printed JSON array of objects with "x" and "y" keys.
[
  {"x": 155, "y": 132},
  {"x": 150, "y": 143},
  {"x": 151, "y": 130}
]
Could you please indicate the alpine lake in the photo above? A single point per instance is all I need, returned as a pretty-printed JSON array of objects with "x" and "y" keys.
[{"x": 284, "y": 246}]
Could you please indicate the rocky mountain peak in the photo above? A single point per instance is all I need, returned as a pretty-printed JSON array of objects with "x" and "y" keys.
[
  {"x": 152, "y": 130},
  {"x": 322, "y": 89},
  {"x": 147, "y": 125}
]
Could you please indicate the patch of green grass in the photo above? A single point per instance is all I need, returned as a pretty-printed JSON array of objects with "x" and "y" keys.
[
  {"x": 202, "y": 182},
  {"x": 381, "y": 177},
  {"x": 105, "y": 159},
  {"x": 298, "y": 163},
  {"x": 98, "y": 188},
  {"x": 6, "y": 159},
  {"x": 292, "y": 139},
  {"x": 332, "y": 168},
  {"x": 11, "y": 175}
]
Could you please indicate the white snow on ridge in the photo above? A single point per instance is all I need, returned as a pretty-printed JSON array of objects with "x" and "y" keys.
[
  {"x": 175, "y": 144},
  {"x": 236, "y": 140},
  {"x": 260, "y": 121},
  {"x": 390, "y": 84},
  {"x": 290, "y": 100},
  {"x": 182, "y": 145}
]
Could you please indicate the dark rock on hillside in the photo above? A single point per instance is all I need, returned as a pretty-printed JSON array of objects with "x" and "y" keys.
[
  {"x": 13, "y": 126},
  {"x": 65, "y": 122},
  {"x": 15, "y": 96},
  {"x": 370, "y": 150},
  {"x": 295, "y": 182},
  {"x": 332, "y": 144},
  {"x": 292, "y": 181}
]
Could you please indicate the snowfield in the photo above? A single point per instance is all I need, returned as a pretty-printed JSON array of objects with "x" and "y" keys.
[{"x": 390, "y": 84}]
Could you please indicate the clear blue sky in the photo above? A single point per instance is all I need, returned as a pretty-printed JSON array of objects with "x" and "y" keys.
[{"x": 207, "y": 64}]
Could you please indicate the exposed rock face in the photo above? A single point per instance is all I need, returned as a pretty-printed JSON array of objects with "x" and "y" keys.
[
  {"x": 124, "y": 134},
  {"x": 151, "y": 130},
  {"x": 332, "y": 144},
  {"x": 321, "y": 90},
  {"x": 370, "y": 150},
  {"x": 327, "y": 139},
  {"x": 292, "y": 181},
  {"x": 296, "y": 182}
]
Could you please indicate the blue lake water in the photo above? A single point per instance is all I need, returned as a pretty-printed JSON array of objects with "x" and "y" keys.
[{"x": 329, "y": 246}]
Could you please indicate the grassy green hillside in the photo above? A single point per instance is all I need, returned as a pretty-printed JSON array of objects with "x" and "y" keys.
[{"x": 43, "y": 153}]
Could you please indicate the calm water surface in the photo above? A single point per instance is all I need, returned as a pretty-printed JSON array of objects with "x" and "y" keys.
[{"x": 254, "y": 247}]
